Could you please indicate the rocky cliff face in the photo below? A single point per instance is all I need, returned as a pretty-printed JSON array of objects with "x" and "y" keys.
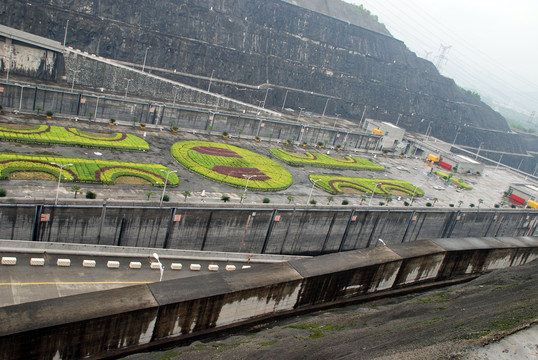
[{"x": 311, "y": 56}]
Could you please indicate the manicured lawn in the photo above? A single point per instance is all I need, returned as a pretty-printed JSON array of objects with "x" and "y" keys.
[{"x": 231, "y": 164}]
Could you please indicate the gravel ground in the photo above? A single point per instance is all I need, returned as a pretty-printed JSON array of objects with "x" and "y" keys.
[{"x": 456, "y": 322}]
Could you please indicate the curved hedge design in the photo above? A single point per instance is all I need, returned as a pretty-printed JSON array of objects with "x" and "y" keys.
[
  {"x": 458, "y": 182},
  {"x": 335, "y": 184},
  {"x": 87, "y": 170},
  {"x": 323, "y": 160},
  {"x": 229, "y": 164},
  {"x": 47, "y": 134}
]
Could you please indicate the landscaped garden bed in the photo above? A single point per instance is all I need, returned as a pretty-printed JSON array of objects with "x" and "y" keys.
[
  {"x": 83, "y": 170},
  {"x": 335, "y": 184},
  {"x": 49, "y": 134},
  {"x": 232, "y": 165},
  {"x": 458, "y": 182},
  {"x": 323, "y": 160}
]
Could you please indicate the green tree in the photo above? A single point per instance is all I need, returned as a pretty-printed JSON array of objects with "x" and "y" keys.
[
  {"x": 345, "y": 202},
  {"x": 313, "y": 202},
  {"x": 149, "y": 194},
  {"x": 363, "y": 198},
  {"x": 389, "y": 199},
  {"x": 38, "y": 108},
  {"x": 75, "y": 189},
  {"x": 225, "y": 198},
  {"x": 266, "y": 200},
  {"x": 480, "y": 201},
  {"x": 239, "y": 131},
  {"x": 290, "y": 198},
  {"x": 90, "y": 114},
  {"x": 186, "y": 194},
  {"x": 435, "y": 200},
  {"x": 329, "y": 199}
]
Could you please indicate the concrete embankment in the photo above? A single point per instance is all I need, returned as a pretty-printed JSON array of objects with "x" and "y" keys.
[{"x": 113, "y": 322}]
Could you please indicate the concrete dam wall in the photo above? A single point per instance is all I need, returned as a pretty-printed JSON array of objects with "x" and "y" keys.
[
  {"x": 115, "y": 322},
  {"x": 255, "y": 230}
]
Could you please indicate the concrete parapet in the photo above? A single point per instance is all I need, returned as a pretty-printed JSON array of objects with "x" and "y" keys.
[{"x": 112, "y": 322}]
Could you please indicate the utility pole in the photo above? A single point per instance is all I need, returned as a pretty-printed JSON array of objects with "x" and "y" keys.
[
  {"x": 145, "y": 57},
  {"x": 74, "y": 75},
  {"x": 285, "y": 97},
  {"x": 65, "y": 35},
  {"x": 441, "y": 59},
  {"x": 127, "y": 87},
  {"x": 325, "y": 108}
]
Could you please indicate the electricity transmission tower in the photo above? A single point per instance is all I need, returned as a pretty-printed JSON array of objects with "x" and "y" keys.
[{"x": 441, "y": 59}]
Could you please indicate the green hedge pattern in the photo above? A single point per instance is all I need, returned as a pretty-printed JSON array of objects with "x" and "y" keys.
[
  {"x": 49, "y": 134},
  {"x": 334, "y": 184},
  {"x": 85, "y": 170},
  {"x": 228, "y": 164},
  {"x": 323, "y": 160},
  {"x": 458, "y": 182}
]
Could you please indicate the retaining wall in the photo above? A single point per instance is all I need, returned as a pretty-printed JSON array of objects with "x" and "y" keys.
[
  {"x": 255, "y": 230},
  {"x": 109, "y": 323}
]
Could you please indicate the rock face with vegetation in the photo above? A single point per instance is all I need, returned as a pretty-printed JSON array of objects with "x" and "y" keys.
[{"x": 331, "y": 51}]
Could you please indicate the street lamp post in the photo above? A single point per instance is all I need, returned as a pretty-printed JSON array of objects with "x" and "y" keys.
[
  {"x": 325, "y": 108},
  {"x": 145, "y": 57},
  {"x": 455, "y": 137},
  {"x": 300, "y": 113},
  {"x": 127, "y": 87},
  {"x": 165, "y": 182},
  {"x": 265, "y": 98},
  {"x": 312, "y": 190},
  {"x": 428, "y": 131},
  {"x": 335, "y": 120},
  {"x": 285, "y": 98},
  {"x": 373, "y": 192},
  {"x": 66, "y": 27},
  {"x": 478, "y": 152},
  {"x": 413, "y": 196},
  {"x": 176, "y": 88},
  {"x": 74, "y": 75},
  {"x": 397, "y": 121},
  {"x": 210, "y": 81},
  {"x": 59, "y": 179},
  {"x": 248, "y": 177},
  {"x": 161, "y": 267}
]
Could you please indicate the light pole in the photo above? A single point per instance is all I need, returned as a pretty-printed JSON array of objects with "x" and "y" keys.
[
  {"x": 312, "y": 190},
  {"x": 397, "y": 121},
  {"x": 176, "y": 88},
  {"x": 210, "y": 81},
  {"x": 478, "y": 152},
  {"x": 373, "y": 192},
  {"x": 300, "y": 113},
  {"x": 66, "y": 27},
  {"x": 455, "y": 137},
  {"x": 165, "y": 182},
  {"x": 127, "y": 87},
  {"x": 500, "y": 161},
  {"x": 428, "y": 130},
  {"x": 74, "y": 75},
  {"x": 265, "y": 98},
  {"x": 413, "y": 196},
  {"x": 248, "y": 177},
  {"x": 161, "y": 267},
  {"x": 285, "y": 98},
  {"x": 361, "y": 124},
  {"x": 59, "y": 179},
  {"x": 335, "y": 120},
  {"x": 145, "y": 57},
  {"x": 325, "y": 108}
]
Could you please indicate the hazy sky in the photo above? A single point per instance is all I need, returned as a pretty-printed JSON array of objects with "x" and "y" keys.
[{"x": 494, "y": 43}]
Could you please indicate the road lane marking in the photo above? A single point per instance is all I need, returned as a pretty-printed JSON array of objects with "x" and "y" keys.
[{"x": 76, "y": 283}]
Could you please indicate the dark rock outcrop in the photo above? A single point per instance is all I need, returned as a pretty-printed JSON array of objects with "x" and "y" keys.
[{"x": 277, "y": 45}]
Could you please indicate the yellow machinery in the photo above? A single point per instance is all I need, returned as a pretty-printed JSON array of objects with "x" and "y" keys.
[
  {"x": 377, "y": 131},
  {"x": 532, "y": 204},
  {"x": 434, "y": 158}
]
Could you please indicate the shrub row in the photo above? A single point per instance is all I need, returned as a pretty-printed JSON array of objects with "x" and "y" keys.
[
  {"x": 231, "y": 164},
  {"x": 323, "y": 160},
  {"x": 48, "y": 134}
]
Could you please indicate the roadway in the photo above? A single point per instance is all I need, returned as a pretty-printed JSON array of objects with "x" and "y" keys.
[{"x": 44, "y": 271}]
